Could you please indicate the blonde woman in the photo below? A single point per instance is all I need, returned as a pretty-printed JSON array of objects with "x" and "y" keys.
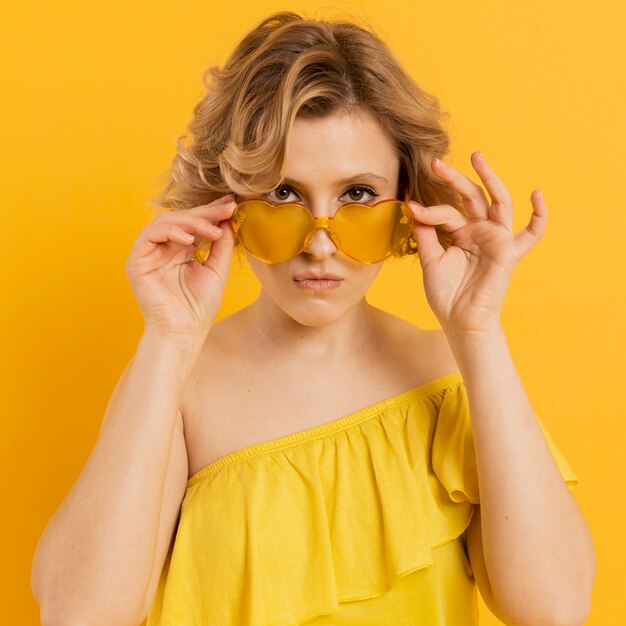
[{"x": 312, "y": 459}]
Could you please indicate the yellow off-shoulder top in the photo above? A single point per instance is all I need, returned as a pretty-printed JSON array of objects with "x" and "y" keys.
[{"x": 357, "y": 521}]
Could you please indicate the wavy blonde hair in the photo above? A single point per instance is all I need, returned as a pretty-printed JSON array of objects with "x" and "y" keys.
[{"x": 288, "y": 67}]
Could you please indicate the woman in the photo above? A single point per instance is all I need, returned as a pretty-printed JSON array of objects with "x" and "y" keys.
[{"x": 311, "y": 458}]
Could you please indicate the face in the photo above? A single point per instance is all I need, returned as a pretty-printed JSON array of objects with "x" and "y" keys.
[{"x": 330, "y": 161}]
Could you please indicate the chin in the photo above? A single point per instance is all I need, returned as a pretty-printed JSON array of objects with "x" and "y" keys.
[{"x": 316, "y": 311}]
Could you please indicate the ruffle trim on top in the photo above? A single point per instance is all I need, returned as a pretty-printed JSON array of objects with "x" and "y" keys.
[{"x": 279, "y": 533}]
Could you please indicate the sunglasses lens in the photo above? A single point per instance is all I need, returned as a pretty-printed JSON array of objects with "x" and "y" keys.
[
  {"x": 276, "y": 233},
  {"x": 273, "y": 233},
  {"x": 372, "y": 233}
]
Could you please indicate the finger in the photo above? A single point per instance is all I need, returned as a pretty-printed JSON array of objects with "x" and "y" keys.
[
  {"x": 428, "y": 246},
  {"x": 204, "y": 246},
  {"x": 529, "y": 236},
  {"x": 171, "y": 232},
  {"x": 220, "y": 252},
  {"x": 473, "y": 195},
  {"x": 155, "y": 234},
  {"x": 444, "y": 215},
  {"x": 190, "y": 222},
  {"x": 501, "y": 209}
]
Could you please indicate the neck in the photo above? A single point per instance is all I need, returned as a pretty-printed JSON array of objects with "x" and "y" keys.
[{"x": 273, "y": 331}]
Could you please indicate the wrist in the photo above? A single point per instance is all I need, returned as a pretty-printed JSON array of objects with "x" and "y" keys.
[
  {"x": 468, "y": 343},
  {"x": 177, "y": 342},
  {"x": 176, "y": 354},
  {"x": 473, "y": 333}
]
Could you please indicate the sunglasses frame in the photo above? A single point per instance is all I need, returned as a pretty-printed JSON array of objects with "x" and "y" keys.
[{"x": 325, "y": 222}]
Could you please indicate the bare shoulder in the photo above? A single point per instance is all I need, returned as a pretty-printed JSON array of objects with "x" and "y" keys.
[
  {"x": 218, "y": 358},
  {"x": 223, "y": 339},
  {"x": 425, "y": 349}
]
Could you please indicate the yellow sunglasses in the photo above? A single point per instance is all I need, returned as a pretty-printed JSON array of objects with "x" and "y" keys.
[{"x": 274, "y": 233}]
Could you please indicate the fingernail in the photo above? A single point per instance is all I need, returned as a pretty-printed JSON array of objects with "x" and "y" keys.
[{"x": 437, "y": 161}]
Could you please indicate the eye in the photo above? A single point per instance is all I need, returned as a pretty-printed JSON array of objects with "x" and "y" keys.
[
  {"x": 281, "y": 194},
  {"x": 356, "y": 193}
]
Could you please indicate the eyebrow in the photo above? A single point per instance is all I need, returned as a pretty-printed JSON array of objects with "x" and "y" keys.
[{"x": 344, "y": 181}]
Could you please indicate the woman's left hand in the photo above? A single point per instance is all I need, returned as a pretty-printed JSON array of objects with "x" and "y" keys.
[{"x": 465, "y": 284}]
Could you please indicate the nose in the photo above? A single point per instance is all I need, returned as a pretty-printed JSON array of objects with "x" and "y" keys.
[{"x": 321, "y": 244}]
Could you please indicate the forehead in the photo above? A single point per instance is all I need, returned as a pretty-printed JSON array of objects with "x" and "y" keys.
[{"x": 339, "y": 145}]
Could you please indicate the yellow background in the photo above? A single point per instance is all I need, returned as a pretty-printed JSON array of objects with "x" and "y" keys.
[{"x": 94, "y": 96}]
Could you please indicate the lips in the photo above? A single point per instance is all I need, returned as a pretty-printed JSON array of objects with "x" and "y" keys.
[{"x": 317, "y": 276}]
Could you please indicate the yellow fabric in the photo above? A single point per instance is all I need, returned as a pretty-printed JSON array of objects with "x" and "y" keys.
[{"x": 357, "y": 521}]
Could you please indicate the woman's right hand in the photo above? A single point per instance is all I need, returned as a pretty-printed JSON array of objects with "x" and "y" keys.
[{"x": 179, "y": 296}]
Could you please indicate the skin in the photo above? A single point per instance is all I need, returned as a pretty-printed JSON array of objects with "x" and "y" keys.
[
  {"x": 322, "y": 151},
  {"x": 528, "y": 544},
  {"x": 335, "y": 340}
]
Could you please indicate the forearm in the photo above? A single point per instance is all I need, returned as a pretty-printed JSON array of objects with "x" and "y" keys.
[
  {"x": 99, "y": 547},
  {"x": 537, "y": 547}
]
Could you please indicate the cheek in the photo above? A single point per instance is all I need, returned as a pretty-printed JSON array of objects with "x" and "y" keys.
[
  {"x": 368, "y": 274},
  {"x": 267, "y": 273}
]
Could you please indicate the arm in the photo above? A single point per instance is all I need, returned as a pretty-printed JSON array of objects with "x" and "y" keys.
[
  {"x": 529, "y": 545},
  {"x": 536, "y": 548},
  {"x": 94, "y": 561}
]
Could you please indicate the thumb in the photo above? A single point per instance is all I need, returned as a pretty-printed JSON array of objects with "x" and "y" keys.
[
  {"x": 221, "y": 250},
  {"x": 428, "y": 246}
]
